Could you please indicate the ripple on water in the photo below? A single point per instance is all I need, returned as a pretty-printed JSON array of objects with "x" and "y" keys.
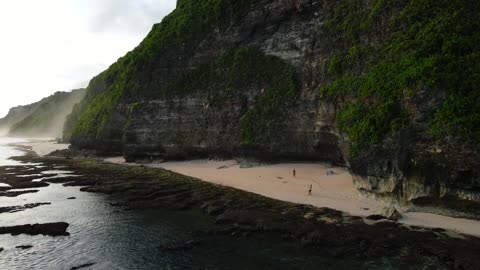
[
  {"x": 55, "y": 177},
  {"x": 28, "y": 175},
  {"x": 57, "y": 172}
]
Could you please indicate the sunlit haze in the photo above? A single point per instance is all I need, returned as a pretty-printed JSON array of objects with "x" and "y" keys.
[{"x": 58, "y": 45}]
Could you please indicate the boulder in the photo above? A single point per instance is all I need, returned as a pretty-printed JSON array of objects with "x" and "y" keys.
[{"x": 391, "y": 213}]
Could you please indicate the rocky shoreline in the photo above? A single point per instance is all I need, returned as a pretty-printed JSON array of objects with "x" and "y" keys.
[
  {"x": 242, "y": 214},
  {"x": 48, "y": 229}
]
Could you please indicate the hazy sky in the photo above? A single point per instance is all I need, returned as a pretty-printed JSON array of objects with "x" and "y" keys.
[{"x": 57, "y": 45}]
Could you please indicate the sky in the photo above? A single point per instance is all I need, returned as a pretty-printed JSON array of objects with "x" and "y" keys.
[{"x": 59, "y": 45}]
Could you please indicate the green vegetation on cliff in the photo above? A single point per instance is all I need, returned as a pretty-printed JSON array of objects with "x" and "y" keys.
[
  {"x": 428, "y": 46},
  {"x": 188, "y": 23},
  {"x": 246, "y": 68},
  {"x": 393, "y": 64}
]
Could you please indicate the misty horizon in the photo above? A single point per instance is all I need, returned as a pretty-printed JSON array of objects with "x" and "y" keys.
[{"x": 73, "y": 42}]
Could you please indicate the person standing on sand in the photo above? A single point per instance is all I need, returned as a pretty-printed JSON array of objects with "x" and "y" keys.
[
  {"x": 310, "y": 190},
  {"x": 294, "y": 173}
]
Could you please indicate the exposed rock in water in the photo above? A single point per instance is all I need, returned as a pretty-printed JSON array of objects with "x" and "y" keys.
[
  {"x": 13, "y": 209},
  {"x": 1, "y": 249},
  {"x": 388, "y": 213},
  {"x": 16, "y": 193},
  {"x": 376, "y": 217},
  {"x": 82, "y": 266},
  {"x": 71, "y": 198},
  {"x": 49, "y": 229},
  {"x": 24, "y": 247}
]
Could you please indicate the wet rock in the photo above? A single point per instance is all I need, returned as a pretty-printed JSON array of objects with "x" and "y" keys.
[
  {"x": 16, "y": 193},
  {"x": 376, "y": 217},
  {"x": 329, "y": 220},
  {"x": 24, "y": 247},
  {"x": 309, "y": 215},
  {"x": 213, "y": 209},
  {"x": 82, "y": 266},
  {"x": 49, "y": 229},
  {"x": 13, "y": 209}
]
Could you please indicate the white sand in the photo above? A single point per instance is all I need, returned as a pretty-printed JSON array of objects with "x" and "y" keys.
[
  {"x": 44, "y": 147},
  {"x": 336, "y": 191}
]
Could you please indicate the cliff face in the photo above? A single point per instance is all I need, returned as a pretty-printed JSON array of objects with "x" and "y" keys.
[
  {"x": 41, "y": 119},
  {"x": 388, "y": 88}
]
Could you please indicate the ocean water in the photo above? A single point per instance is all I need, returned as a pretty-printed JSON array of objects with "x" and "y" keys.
[
  {"x": 7, "y": 151},
  {"x": 112, "y": 238}
]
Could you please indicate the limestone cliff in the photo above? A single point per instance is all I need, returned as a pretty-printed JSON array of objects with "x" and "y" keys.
[
  {"x": 387, "y": 87},
  {"x": 44, "y": 118}
]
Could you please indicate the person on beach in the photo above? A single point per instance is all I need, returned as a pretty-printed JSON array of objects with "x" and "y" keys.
[
  {"x": 294, "y": 173},
  {"x": 310, "y": 190}
]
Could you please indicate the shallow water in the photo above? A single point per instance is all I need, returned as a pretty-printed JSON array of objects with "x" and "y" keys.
[
  {"x": 7, "y": 151},
  {"x": 113, "y": 238}
]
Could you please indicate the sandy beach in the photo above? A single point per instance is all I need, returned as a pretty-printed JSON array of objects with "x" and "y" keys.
[
  {"x": 277, "y": 181},
  {"x": 44, "y": 146},
  {"x": 334, "y": 191}
]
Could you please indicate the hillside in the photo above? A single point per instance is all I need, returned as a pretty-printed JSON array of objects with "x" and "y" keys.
[
  {"x": 44, "y": 118},
  {"x": 16, "y": 114},
  {"x": 388, "y": 88}
]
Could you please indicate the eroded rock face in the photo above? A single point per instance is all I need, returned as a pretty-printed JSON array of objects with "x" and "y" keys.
[
  {"x": 190, "y": 126},
  {"x": 413, "y": 172}
]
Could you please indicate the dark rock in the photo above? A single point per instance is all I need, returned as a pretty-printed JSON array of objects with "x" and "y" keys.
[
  {"x": 391, "y": 213},
  {"x": 16, "y": 193},
  {"x": 214, "y": 210},
  {"x": 376, "y": 217},
  {"x": 82, "y": 266},
  {"x": 13, "y": 209},
  {"x": 49, "y": 229},
  {"x": 24, "y": 247},
  {"x": 71, "y": 198},
  {"x": 1, "y": 249}
]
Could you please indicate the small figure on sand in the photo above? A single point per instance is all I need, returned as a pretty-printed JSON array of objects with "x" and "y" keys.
[
  {"x": 310, "y": 190},
  {"x": 294, "y": 173}
]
